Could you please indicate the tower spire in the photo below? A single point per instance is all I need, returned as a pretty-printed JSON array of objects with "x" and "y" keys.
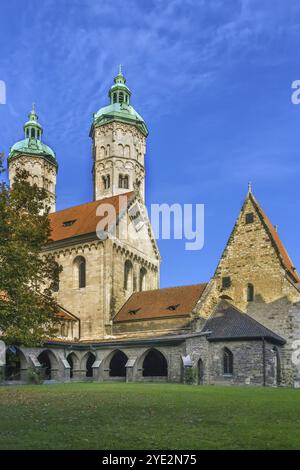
[{"x": 32, "y": 128}]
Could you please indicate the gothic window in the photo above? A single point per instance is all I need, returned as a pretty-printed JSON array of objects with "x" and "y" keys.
[
  {"x": 80, "y": 272},
  {"x": 250, "y": 293},
  {"x": 128, "y": 276},
  {"x": 227, "y": 361},
  {"x": 108, "y": 150},
  {"x": 226, "y": 282},
  {"x": 249, "y": 218},
  {"x": 143, "y": 274}
]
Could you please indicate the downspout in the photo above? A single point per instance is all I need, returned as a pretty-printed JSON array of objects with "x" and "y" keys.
[{"x": 264, "y": 360}]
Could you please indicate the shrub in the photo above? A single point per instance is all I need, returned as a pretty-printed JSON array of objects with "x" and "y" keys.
[
  {"x": 35, "y": 376},
  {"x": 190, "y": 375}
]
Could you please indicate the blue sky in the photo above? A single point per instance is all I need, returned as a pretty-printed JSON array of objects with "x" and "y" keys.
[{"x": 212, "y": 80}]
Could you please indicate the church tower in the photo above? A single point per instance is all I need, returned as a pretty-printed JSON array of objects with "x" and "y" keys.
[
  {"x": 119, "y": 145},
  {"x": 37, "y": 158}
]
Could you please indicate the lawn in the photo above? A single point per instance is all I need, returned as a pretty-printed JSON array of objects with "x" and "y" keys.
[{"x": 148, "y": 416}]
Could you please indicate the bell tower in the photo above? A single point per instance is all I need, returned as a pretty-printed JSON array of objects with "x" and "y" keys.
[
  {"x": 37, "y": 158},
  {"x": 119, "y": 145}
]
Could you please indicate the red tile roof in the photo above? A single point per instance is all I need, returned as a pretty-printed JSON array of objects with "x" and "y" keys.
[
  {"x": 83, "y": 219},
  {"x": 161, "y": 303},
  {"x": 285, "y": 259}
]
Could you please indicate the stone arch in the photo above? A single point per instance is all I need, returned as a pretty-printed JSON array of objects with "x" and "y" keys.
[
  {"x": 49, "y": 362},
  {"x": 117, "y": 364},
  {"x": 73, "y": 361},
  {"x": 120, "y": 150},
  {"x": 87, "y": 363},
  {"x": 15, "y": 362},
  {"x": 154, "y": 364}
]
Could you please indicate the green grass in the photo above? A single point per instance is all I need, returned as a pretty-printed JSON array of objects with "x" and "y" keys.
[{"x": 148, "y": 416}]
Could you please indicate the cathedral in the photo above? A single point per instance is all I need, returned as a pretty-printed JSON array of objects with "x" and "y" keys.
[{"x": 117, "y": 324}]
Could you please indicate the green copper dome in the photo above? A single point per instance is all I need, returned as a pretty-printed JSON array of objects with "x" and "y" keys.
[
  {"x": 32, "y": 144},
  {"x": 119, "y": 108}
]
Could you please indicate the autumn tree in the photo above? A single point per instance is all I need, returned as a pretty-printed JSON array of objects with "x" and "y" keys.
[{"x": 27, "y": 274}]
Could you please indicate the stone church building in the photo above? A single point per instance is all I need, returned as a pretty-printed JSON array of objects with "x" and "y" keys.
[{"x": 116, "y": 323}]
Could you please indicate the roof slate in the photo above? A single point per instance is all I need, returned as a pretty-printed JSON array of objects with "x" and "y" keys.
[
  {"x": 154, "y": 303},
  {"x": 229, "y": 323}
]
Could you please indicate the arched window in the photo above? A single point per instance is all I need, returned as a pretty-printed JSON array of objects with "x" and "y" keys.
[
  {"x": 250, "y": 293},
  {"x": 33, "y": 133},
  {"x": 89, "y": 365},
  {"x": 143, "y": 274},
  {"x": 128, "y": 276},
  {"x": 121, "y": 97},
  {"x": 27, "y": 133},
  {"x": 115, "y": 98},
  {"x": 155, "y": 364},
  {"x": 80, "y": 272},
  {"x": 227, "y": 361},
  {"x": 117, "y": 365}
]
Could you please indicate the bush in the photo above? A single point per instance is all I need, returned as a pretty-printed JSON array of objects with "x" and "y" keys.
[
  {"x": 35, "y": 376},
  {"x": 190, "y": 375}
]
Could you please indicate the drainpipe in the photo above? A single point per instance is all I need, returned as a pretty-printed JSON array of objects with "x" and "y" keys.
[{"x": 264, "y": 360}]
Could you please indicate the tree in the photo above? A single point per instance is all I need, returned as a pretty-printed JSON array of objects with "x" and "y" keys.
[{"x": 27, "y": 274}]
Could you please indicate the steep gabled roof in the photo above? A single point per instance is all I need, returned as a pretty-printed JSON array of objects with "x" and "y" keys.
[
  {"x": 160, "y": 303},
  {"x": 281, "y": 251},
  {"x": 229, "y": 323},
  {"x": 83, "y": 219}
]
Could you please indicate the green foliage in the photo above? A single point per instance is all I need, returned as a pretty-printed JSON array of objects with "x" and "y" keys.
[
  {"x": 27, "y": 314},
  {"x": 190, "y": 375},
  {"x": 35, "y": 376}
]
